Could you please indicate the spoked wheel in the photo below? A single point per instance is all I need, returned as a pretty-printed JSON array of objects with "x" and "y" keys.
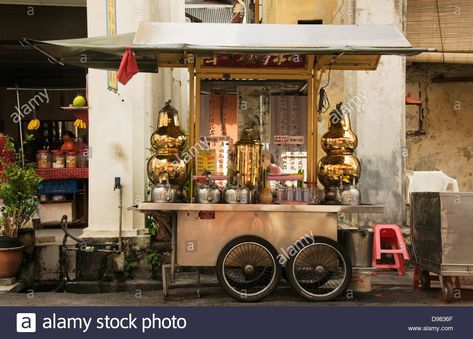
[
  {"x": 321, "y": 270},
  {"x": 447, "y": 288},
  {"x": 247, "y": 268}
]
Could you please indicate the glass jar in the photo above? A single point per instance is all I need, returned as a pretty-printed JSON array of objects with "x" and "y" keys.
[
  {"x": 43, "y": 159},
  {"x": 71, "y": 159},
  {"x": 82, "y": 160},
  {"x": 59, "y": 161}
]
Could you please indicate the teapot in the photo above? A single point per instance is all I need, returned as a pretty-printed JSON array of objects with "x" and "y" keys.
[
  {"x": 237, "y": 194},
  {"x": 208, "y": 193},
  {"x": 349, "y": 194}
]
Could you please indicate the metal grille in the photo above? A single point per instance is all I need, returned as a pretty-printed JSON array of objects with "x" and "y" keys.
[{"x": 215, "y": 14}]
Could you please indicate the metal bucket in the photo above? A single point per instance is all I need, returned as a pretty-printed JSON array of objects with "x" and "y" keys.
[{"x": 359, "y": 246}]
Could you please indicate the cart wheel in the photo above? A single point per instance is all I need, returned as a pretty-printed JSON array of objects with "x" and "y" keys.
[
  {"x": 447, "y": 288},
  {"x": 425, "y": 279},
  {"x": 321, "y": 270},
  {"x": 247, "y": 268}
]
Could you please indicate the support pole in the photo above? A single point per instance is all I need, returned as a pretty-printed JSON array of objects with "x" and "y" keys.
[{"x": 22, "y": 153}]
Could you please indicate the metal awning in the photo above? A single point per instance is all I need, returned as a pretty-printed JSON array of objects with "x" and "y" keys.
[{"x": 173, "y": 41}]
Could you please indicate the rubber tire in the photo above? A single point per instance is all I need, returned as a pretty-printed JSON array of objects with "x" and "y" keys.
[
  {"x": 220, "y": 274},
  {"x": 425, "y": 279},
  {"x": 447, "y": 288},
  {"x": 345, "y": 283}
]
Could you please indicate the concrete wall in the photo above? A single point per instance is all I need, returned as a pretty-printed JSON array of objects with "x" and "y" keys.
[
  {"x": 121, "y": 123},
  {"x": 448, "y": 111},
  {"x": 289, "y": 11},
  {"x": 380, "y": 123}
]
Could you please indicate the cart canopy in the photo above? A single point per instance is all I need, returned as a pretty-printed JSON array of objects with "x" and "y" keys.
[{"x": 174, "y": 42}]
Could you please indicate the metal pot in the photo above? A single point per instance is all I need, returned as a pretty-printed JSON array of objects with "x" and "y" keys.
[
  {"x": 350, "y": 195},
  {"x": 165, "y": 193},
  {"x": 208, "y": 194},
  {"x": 237, "y": 195},
  {"x": 359, "y": 246}
]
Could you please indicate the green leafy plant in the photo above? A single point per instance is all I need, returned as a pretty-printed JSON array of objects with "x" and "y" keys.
[
  {"x": 154, "y": 259},
  {"x": 18, "y": 188},
  {"x": 130, "y": 265}
]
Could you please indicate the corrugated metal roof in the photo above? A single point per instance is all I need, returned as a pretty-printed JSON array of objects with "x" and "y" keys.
[
  {"x": 154, "y": 39},
  {"x": 265, "y": 37},
  {"x": 211, "y": 14}
]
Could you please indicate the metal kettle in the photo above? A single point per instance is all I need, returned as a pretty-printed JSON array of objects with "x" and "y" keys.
[
  {"x": 237, "y": 194},
  {"x": 349, "y": 194},
  {"x": 165, "y": 192},
  {"x": 208, "y": 193}
]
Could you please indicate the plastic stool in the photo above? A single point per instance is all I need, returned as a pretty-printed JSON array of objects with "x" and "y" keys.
[{"x": 390, "y": 234}]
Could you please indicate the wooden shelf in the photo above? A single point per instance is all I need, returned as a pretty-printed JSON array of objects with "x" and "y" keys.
[{"x": 72, "y": 108}]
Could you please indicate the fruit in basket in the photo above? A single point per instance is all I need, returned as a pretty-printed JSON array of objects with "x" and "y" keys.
[
  {"x": 33, "y": 124},
  {"x": 79, "y": 101}
]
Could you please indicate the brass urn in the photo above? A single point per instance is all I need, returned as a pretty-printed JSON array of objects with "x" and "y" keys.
[
  {"x": 248, "y": 158},
  {"x": 339, "y": 166},
  {"x": 168, "y": 141}
]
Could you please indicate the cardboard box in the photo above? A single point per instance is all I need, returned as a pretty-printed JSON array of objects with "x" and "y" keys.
[{"x": 53, "y": 211}]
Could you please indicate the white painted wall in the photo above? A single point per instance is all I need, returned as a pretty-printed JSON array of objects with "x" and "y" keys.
[
  {"x": 380, "y": 123},
  {"x": 120, "y": 124}
]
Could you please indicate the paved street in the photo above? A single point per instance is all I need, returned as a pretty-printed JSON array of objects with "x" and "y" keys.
[{"x": 388, "y": 290}]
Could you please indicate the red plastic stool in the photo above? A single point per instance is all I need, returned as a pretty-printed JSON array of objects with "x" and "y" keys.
[{"x": 391, "y": 235}]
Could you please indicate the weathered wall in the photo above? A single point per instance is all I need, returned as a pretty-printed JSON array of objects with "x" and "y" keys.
[
  {"x": 289, "y": 11},
  {"x": 379, "y": 124},
  {"x": 448, "y": 110}
]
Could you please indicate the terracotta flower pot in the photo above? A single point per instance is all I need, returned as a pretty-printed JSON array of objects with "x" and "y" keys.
[{"x": 10, "y": 261}]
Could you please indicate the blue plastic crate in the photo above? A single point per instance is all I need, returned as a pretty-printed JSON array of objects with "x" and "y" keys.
[{"x": 58, "y": 187}]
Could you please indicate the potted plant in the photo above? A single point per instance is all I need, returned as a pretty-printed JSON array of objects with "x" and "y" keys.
[{"x": 18, "y": 188}]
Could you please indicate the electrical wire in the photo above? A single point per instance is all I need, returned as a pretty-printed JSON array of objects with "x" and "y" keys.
[{"x": 324, "y": 101}]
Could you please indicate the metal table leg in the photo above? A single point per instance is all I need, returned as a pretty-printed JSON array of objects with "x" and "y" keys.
[{"x": 173, "y": 245}]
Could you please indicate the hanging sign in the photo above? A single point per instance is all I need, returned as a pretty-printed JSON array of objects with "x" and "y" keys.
[
  {"x": 253, "y": 60},
  {"x": 289, "y": 139},
  {"x": 111, "y": 22}
]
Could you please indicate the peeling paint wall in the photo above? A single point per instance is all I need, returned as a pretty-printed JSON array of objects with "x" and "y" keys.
[
  {"x": 379, "y": 123},
  {"x": 448, "y": 122}
]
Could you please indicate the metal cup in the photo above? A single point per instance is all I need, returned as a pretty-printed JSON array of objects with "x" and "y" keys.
[
  {"x": 289, "y": 194},
  {"x": 280, "y": 194}
]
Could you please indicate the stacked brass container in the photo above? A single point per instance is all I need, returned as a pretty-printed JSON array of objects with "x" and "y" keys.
[
  {"x": 168, "y": 141},
  {"x": 339, "y": 166},
  {"x": 248, "y": 158}
]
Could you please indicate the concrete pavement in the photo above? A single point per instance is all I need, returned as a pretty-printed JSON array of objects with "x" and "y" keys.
[{"x": 388, "y": 290}]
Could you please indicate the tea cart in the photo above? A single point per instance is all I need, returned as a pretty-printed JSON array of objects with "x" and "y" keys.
[{"x": 249, "y": 244}]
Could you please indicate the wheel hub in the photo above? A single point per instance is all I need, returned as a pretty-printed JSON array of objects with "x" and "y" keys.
[{"x": 249, "y": 269}]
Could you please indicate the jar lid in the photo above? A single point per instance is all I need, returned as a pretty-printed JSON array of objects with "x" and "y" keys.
[
  {"x": 71, "y": 153},
  {"x": 56, "y": 151},
  {"x": 43, "y": 151}
]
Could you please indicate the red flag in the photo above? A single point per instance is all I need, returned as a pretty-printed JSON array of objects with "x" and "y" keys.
[{"x": 128, "y": 67}]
